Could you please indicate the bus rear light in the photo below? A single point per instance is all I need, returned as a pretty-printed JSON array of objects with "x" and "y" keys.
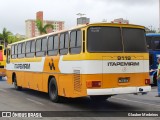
[
  {"x": 91, "y": 84},
  {"x": 147, "y": 81}
]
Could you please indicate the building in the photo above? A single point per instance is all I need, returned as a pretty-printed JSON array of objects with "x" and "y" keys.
[
  {"x": 31, "y": 28},
  {"x": 19, "y": 36},
  {"x": 82, "y": 20}
]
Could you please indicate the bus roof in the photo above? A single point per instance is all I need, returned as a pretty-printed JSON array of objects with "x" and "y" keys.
[
  {"x": 82, "y": 26},
  {"x": 153, "y": 34}
]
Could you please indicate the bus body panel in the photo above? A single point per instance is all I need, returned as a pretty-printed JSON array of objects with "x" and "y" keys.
[
  {"x": 2, "y": 62},
  {"x": 153, "y": 55}
]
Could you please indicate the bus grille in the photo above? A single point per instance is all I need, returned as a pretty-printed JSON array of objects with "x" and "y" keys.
[{"x": 77, "y": 82}]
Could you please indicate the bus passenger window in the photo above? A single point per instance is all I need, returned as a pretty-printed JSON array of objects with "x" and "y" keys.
[
  {"x": 53, "y": 45},
  {"x": 12, "y": 51},
  {"x": 23, "y": 50},
  {"x": 64, "y": 39},
  {"x": 56, "y": 45},
  {"x": 15, "y": 51},
  {"x": 75, "y": 42},
  {"x": 44, "y": 45},
  {"x": 19, "y": 50},
  {"x": 32, "y": 46},
  {"x": 32, "y": 49},
  {"x": 50, "y": 43},
  {"x": 28, "y": 48},
  {"x": 40, "y": 49}
]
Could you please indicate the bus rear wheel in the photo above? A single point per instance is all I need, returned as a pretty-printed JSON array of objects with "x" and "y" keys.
[
  {"x": 53, "y": 91},
  {"x": 99, "y": 98},
  {"x": 15, "y": 83}
]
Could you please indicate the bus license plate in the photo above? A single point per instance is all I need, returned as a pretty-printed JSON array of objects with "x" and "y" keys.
[{"x": 123, "y": 80}]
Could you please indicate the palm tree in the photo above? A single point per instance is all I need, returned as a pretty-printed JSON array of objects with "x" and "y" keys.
[
  {"x": 43, "y": 29},
  {"x": 5, "y": 35}
]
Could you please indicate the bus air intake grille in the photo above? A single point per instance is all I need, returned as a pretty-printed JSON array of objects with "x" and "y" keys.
[{"x": 77, "y": 82}]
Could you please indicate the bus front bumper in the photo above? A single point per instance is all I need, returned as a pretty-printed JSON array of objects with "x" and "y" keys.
[{"x": 119, "y": 90}]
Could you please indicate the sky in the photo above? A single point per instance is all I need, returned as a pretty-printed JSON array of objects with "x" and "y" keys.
[{"x": 13, "y": 13}]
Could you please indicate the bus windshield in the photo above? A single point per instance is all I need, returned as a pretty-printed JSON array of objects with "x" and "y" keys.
[
  {"x": 149, "y": 44},
  {"x": 156, "y": 43},
  {"x": 116, "y": 39}
]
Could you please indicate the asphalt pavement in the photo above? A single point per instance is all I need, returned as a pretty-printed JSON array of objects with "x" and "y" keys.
[{"x": 30, "y": 100}]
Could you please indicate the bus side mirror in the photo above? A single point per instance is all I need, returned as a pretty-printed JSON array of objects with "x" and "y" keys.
[{"x": 5, "y": 52}]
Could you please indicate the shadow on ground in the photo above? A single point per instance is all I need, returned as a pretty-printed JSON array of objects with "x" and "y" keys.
[{"x": 82, "y": 104}]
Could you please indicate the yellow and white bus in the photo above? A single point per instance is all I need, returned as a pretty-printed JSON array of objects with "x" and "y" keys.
[
  {"x": 97, "y": 60},
  {"x": 2, "y": 62}
]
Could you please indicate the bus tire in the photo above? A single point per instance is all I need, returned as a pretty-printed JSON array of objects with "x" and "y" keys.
[
  {"x": 53, "y": 91},
  {"x": 99, "y": 98},
  {"x": 15, "y": 83}
]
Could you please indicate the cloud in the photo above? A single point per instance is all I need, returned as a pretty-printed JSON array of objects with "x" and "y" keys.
[
  {"x": 129, "y": 2},
  {"x": 14, "y": 12}
]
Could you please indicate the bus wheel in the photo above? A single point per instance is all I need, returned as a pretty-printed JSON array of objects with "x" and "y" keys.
[
  {"x": 53, "y": 91},
  {"x": 15, "y": 83},
  {"x": 99, "y": 98},
  {"x": 155, "y": 80}
]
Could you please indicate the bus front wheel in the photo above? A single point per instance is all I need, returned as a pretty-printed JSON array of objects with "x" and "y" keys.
[
  {"x": 53, "y": 91},
  {"x": 15, "y": 83}
]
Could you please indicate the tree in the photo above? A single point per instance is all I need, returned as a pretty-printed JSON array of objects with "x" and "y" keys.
[
  {"x": 12, "y": 39},
  {"x": 43, "y": 29},
  {"x": 5, "y": 35}
]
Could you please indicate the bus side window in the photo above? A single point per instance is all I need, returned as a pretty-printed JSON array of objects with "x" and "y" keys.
[
  {"x": 75, "y": 42},
  {"x": 12, "y": 51},
  {"x": 16, "y": 51},
  {"x": 53, "y": 45},
  {"x": 8, "y": 55},
  {"x": 41, "y": 47},
  {"x": 44, "y": 46},
  {"x": 32, "y": 54},
  {"x": 19, "y": 50},
  {"x": 56, "y": 45},
  {"x": 64, "y": 42},
  {"x": 23, "y": 50},
  {"x": 83, "y": 41},
  {"x": 28, "y": 48},
  {"x": 38, "y": 47}
]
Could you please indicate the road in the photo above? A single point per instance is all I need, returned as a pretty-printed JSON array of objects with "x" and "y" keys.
[{"x": 30, "y": 100}]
